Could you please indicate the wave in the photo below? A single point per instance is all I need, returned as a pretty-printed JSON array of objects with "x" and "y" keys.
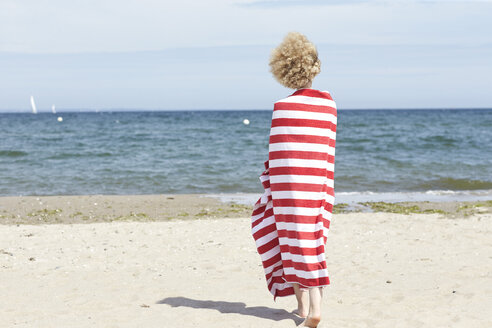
[
  {"x": 417, "y": 196},
  {"x": 12, "y": 153},
  {"x": 454, "y": 184},
  {"x": 79, "y": 155},
  {"x": 369, "y": 196}
]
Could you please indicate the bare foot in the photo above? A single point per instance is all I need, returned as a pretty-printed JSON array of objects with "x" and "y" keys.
[{"x": 310, "y": 322}]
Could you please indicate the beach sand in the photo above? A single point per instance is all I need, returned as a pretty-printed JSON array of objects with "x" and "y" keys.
[{"x": 201, "y": 269}]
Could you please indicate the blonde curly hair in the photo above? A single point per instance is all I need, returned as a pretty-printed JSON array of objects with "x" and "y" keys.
[{"x": 294, "y": 63}]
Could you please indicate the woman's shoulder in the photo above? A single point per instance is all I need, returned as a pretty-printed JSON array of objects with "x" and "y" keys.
[
  {"x": 306, "y": 97},
  {"x": 313, "y": 93}
]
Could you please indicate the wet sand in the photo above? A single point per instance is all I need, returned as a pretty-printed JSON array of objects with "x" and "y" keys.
[
  {"x": 149, "y": 208},
  {"x": 110, "y": 208}
]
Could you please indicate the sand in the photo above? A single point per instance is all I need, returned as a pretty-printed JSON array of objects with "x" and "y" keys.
[
  {"x": 104, "y": 208},
  {"x": 386, "y": 269}
]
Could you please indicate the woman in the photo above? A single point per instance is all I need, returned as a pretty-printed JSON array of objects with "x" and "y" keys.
[{"x": 291, "y": 219}]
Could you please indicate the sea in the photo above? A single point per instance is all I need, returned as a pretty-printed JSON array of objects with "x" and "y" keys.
[{"x": 397, "y": 155}]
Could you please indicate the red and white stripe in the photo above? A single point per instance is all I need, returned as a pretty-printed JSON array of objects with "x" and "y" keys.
[{"x": 291, "y": 219}]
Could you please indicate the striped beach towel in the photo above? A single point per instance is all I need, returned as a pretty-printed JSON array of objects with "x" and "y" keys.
[{"x": 290, "y": 221}]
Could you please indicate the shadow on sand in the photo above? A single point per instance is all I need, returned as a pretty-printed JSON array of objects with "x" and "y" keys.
[{"x": 232, "y": 307}]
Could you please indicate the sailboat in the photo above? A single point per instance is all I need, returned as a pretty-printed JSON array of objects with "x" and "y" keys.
[
  {"x": 53, "y": 109},
  {"x": 33, "y": 106}
]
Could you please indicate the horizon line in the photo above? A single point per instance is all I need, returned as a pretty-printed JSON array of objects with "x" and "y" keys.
[{"x": 122, "y": 110}]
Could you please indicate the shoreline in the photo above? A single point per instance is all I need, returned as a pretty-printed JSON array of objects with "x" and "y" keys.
[
  {"x": 353, "y": 198},
  {"x": 174, "y": 207}
]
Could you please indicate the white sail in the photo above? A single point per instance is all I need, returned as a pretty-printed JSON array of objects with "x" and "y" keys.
[
  {"x": 53, "y": 109},
  {"x": 33, "y": 106}
]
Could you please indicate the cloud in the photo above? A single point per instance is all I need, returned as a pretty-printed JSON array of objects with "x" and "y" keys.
[
  {"x": 359, "y": 76},
  {"x": 288, "y": 3},
  {"x": 372, "y": 48},
  {"x": 59, "y": 26},
  {"x": 311, "y": 3}
]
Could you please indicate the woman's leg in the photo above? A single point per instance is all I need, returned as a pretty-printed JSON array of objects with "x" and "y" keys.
[
  {"x": 302, "y": 296},
  {"x": 314, "y": 316},
  {"x": 315, "y": 297}
]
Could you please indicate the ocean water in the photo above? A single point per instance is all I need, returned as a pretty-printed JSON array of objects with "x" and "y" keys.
[{"x": 213, "y": 152}]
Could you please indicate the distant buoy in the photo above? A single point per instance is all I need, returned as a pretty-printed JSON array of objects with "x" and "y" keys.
[
  {"x": 246, "y": 121},
  {"x": 60, "y": 119}
]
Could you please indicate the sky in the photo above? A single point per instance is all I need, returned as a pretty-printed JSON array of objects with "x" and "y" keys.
[{"x": 168, "y": 55}]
